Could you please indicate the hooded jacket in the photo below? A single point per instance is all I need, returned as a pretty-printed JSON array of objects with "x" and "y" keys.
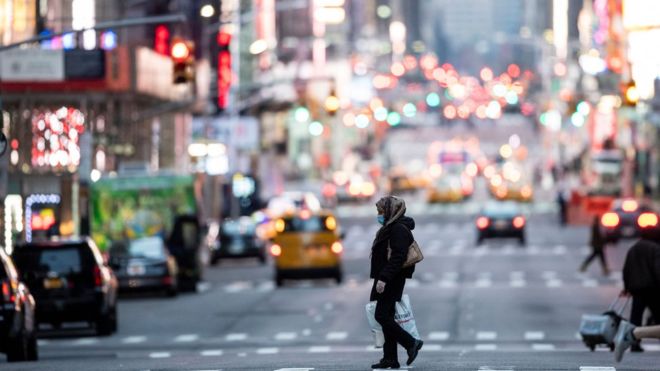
[
  {"x": 395, "y": 234},
  {"x": 641, "y": 270}
]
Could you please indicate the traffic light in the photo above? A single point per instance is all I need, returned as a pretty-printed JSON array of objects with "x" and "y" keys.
[
  {"x": 332, "y": 103},
  {"x": 183, "y": 59},
  {"x": 162, "y": 39},
  {"x": 630, "y": 94},
  {"x": 224, "y": 69}
]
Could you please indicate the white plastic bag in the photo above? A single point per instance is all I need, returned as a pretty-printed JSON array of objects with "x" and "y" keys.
[{"x": 403, "y": 316}]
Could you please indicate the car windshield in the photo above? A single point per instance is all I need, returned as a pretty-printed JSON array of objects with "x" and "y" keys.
[
  {"x": 311, "y": 224},
  {"x": 151, "y": 247},
  {"x": 61, "y": 260},
  {"x": 501, "y": 209}
]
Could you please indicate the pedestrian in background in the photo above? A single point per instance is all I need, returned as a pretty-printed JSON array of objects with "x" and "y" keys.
[
  {"x": 598, "y": 243},
  {"x": 390, "y": 277},
  {"x": 562, "y": 201},
  {"x": 641, "y": 280}
]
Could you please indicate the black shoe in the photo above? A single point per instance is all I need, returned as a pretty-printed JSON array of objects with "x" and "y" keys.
[
  {"x": 412, "y": 352},
  {"x": 385, "y": 364},
  {"x": 636, "y": 348}
]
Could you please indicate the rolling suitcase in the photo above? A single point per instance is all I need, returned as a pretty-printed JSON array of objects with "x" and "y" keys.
[{"x": 599, "y": 329}]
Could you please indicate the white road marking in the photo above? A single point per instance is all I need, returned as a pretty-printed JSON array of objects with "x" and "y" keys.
[
  {"x": 319, "y": 349},
  {"x": 266, "y": 286},
  {"x": 543, "y": 347},
  {"x": 534, "y": 335},
  {"x": 453, "y": 276},
  {"x": 371, "y": 348},
  {"x": 238, "y": 286},
  {"x": 447, "y": 284},
  {"x": 85, "y": 341},
  {"x": 486, "y": 335},
  {"x": 306, "y": 332},
  {"x": 186, "y": 338},
  {"x": 485, "y": 347},
  {"x": 160, "y": 355},
  {"x": 295, "y": 369},
  {"x": 589, "y": 283},
  {"x": 559, "y": 250},
  {"x": 549, "y": 275},
  {"x": 518, "y": 283},
  {"x": 438, "y": 336},
  {"x": 134, "y": 339},
  {"x": 336, "y": 336},
  {"x": 591, "y": 368},
  {"x": 412, "y": 283},
  {"x": 652, "y": 347},
  {"x": 483, "y": 282},
  {"x": 486, "y": 368},
  {"x": 286, "y": 336},
  {"x": 432, "y": 347},
  {"x": 211, "y": 353},
  {"x": 235, "y": 337},
  {"x": 268, "y": 350},
  {"x": 517, "y": 275},
  {"x": 42, "y": 342},
  {"x": 203, "y": 287},
  {"x": 553, "y": 283}
]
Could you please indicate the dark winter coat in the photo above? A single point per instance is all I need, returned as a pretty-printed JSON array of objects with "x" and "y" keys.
[
  {"x": 399, "y": 237},
  {"x": 641, "y": 270}
]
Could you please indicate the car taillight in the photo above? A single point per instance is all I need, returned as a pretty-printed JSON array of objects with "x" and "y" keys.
[
  {"x": 167, "y": 280},
  {"x": 98, "y": 278},
  {"x": 275, "y": 250},
  {"x": 519, "y": 222},
  {"x": 483, "y": 222},
  {"x": 609, "y": 220},
  {"x": 7, "y": 292},
  {"x": 337, "y": 248},
  {"x": 629, "y": 206},
  {"x": 647, "y": 220}
]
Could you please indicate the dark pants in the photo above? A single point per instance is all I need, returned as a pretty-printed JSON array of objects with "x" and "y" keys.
[
  {"x": 385, "y": 310},
  {"x": 596, "y": 253},
  {"x": 641, "y": 301}
]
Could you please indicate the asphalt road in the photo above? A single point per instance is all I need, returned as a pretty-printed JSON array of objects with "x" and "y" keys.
[{"x": 495, "y": 307}]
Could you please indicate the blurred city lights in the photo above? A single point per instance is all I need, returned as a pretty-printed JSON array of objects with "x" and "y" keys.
[
  {"x": 506, "y": 151},
  {"x": 494, "y": 110},
  {"x": 560, "y": 69},
  {"x": 577, "y": 119},
  {"x": 409, "y": 110},
  {"x": 362, "y": 121},
  {"x": 258, "y": 46},
  {"x": 511, "y": 97},
  {"x": 108, "y": 40},
  {"x": 398, "y": 69},
  {"x": 514, "y": 141},
  {"x": 449, "y": 112},
  {"x": 394, "y": 118},
  {"x": 301, "y": 114},
  {"x": 433, "y": 100},
  {"x": 315, "y": 128},
  {"x": 384, "y": 11},
  {"x": 380, "y": 114},
  {"x": 513, "y": 70},
  {"x": 207, "y": 11},
  {"x": 552, "y": 120},
  {"x": 332, "y": 103},
  {"x": 349, "y": 119},
  {"x": 486, "y": 74},
  {"x": 584, "y": 108}
]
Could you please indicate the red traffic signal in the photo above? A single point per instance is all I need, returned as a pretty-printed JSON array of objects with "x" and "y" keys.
[{"x": 180, "y": 50}]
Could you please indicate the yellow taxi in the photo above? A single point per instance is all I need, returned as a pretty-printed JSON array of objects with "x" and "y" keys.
[
  {"x": 307, "y": 245},
  {"x": 446, "y": 189},
  {"x": 514, "y": 191}
]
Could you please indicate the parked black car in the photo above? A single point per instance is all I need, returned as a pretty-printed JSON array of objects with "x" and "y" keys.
[
  {"x": 501, "y": 220},
  {"x": 18, "y": 328},
  {"x": 144, "y": 264},
  {"x": 238, "y": 239},
  {"x": 70, "y": 282},
  {"x": 185, "y": 244}
]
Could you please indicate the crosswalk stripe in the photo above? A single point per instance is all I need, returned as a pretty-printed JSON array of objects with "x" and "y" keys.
[
  {"x": 486, "y": 335},
  {"x": 134, "y": 339},
  {"x": 590, "y": 368},
  {"x": 485, "y": 347},
  {"x": 236, "y": 337},
  {"x": 211, "y": 353},
  {"x": 432, "y": 347},
  {"x": 85, "y": 341},
  {"x": 438, "y": 336},
  {"x": 286, "y": 336},
  {"x": 268, "y": 351},
  {"x": 534, "y": 335},
  {"x": 543, "y": 347},
  {"x": 336, "y": 336},
  {"x": 186, "y": 338},
  {"x": 160, "y": 355},
  {"x": 319, "y": 349}
]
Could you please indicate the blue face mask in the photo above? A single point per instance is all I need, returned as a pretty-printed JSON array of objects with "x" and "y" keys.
[{"x": 381, "y": 219}]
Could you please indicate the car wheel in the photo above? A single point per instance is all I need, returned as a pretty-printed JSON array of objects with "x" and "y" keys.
[
  {"x": 172, "y": 291},
  {"x": 32, "y": 350},
  {"x": 104, "y": 325},
  {"x": 522, "y": 241},
  {"x": 279, "y": 281},
  {"x": 214, "y": 260},
  {"x": 114, "y": 320},
  {"x": 18, "y": 349},
  {"x": 480, "y": 240},
  {"x": 339, "y": 277},
  {"x": 262, "y": 258}
]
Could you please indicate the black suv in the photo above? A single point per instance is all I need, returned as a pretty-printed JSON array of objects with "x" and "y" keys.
[
  {"x": 18, "y": 329},
  {"x": 70, "y": 282}
]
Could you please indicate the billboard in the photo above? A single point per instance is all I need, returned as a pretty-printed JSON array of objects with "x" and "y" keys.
[
  {"x": 32, "y": 65},
  {"x": 141, "y": 206}
]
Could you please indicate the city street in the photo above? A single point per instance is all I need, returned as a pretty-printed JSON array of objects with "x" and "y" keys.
[{"x": 495, "y": 307}]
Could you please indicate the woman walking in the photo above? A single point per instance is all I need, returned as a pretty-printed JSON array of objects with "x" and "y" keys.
[
  {"x": 598, "y": 244},
  {"x": 390, "y": 277}
]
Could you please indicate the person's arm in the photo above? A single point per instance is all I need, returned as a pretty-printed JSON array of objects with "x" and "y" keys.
[{"x": 400, "y": 240}]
